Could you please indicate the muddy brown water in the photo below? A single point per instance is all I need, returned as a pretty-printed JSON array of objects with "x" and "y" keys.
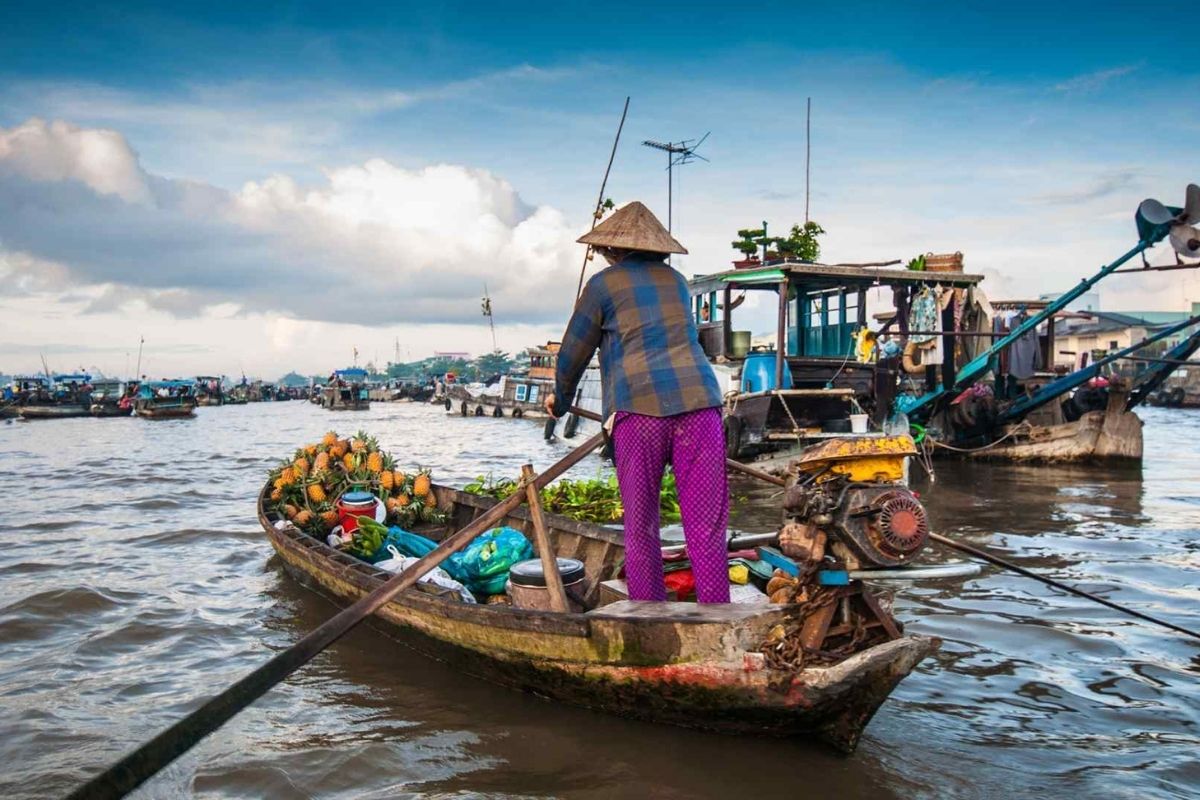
[{"x": 134, "y": 582}]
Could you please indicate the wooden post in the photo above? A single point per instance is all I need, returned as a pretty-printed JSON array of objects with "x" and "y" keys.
[
  {"x": 781, "y": 335},
  {"x": 554, "y": 584}
]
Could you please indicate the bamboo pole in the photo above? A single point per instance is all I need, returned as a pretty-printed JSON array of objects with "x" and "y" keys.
[
  {"x": 554, "y": 584},
  {"x": 134, "y": 769}
]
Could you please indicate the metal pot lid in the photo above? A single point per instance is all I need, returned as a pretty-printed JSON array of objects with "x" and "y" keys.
[{"x": 529, "y": 573}]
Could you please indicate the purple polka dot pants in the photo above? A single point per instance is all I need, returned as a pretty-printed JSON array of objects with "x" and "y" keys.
[{"x": 694, "y": 445}]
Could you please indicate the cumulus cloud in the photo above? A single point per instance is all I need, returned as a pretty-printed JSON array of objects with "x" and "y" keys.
[{"x": 370, "y": 242}]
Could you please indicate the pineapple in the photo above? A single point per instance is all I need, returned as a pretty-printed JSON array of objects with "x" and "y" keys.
[
  {"x": 329, "y": 439},
  {"x": 339, "y": 448},
  {"x": 301, "y": 467},
  {"x": 277, "y": 494},
  {"x": 421, "y": 484},
  {"x": 358, "y": 445},
  {"x": 375, "y": 462},
  {"x": 303, "y": 517},
  {"x": 279, "y": 484},
  {"x": 316, "y": 493},
  {"x": 430, "y": 500},
  {"x": 322, "y": 462},
  {"x": 350, "y": 462},
  {"x": 329, "y": 517},
  {"x": 392, "y": 504},
  {"x": 288, "y": 476},
  {"x": 403, "y": 500},
  {"x": 399, "y": 479},
  {"x": 386, "y": 479},
  {"x": 290, "y": 510},
  {"x": 311, "y": 450}
]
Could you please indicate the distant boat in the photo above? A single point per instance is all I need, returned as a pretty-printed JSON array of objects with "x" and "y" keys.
[
  {"x": 54, "y": 398},
  {"x": 109, "y": 400},
  {"x": 165, "y": 400},
  {"x": 347, "y": 391}
]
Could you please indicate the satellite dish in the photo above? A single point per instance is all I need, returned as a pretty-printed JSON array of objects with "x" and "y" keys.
[{"x": 1179, "y": 222}]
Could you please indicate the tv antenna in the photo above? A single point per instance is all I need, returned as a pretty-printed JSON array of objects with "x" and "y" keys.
[{"x": 678, "y": 154}]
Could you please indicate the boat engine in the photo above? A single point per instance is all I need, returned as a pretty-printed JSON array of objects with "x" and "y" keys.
[{"x": 847, "y": 499}]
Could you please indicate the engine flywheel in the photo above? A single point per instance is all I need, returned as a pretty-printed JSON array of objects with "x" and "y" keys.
[{"x": 903, "y": 525}]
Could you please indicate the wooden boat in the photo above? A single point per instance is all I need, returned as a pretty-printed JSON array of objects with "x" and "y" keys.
[
  {"x": 346, "y": 391},
  {"x": 677, "y": 663},
  {"x": 1108, "y": 434},
  {"x": 110, "y": 399},
  {"x": 165, "y": 400},
  {"x": 61, "y": 397}
]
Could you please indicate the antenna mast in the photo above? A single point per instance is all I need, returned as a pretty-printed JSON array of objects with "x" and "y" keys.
[
  {"x": 678, "y": 154},
  {"x": 807, "y": 155}
]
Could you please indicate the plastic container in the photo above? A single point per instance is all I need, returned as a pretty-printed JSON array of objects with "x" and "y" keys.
[
  {"x": 355, "y": 504},
  {"x": 858, "y": 423},
  {"x": 739, "y": 343},
  {"x": 527, "y": 582},
  {"x": 758, "y": 373}
]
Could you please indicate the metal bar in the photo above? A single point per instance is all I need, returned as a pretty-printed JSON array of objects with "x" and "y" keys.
[
  {"x": 979, "y": 365},
  {"x": 1165, "y": 268},
  {"x": 135, "y": 768},
  {"x": 558, "y": 595},
  {"x": 1057, "y": 387},
  {"x": 781, "y": 337}
]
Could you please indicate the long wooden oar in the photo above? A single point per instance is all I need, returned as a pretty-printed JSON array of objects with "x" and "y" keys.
[{"x": 135, "y": 768}]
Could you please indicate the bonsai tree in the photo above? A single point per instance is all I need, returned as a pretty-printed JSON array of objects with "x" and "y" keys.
[
  {"x": 750, "y": 240},
  {"x": 801, "y": 242}
]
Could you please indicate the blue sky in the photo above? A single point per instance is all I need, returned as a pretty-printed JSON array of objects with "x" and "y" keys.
[{"x": 263, "y": 153}]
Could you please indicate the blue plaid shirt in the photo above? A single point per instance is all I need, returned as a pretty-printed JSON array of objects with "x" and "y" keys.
[{"x": 637, "y": 312}]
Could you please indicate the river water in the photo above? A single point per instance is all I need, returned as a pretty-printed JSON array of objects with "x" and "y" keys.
[{"x": 134, "y": 582}]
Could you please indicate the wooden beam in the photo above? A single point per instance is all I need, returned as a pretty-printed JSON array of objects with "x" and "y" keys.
[{"x": 554, "y": 584}]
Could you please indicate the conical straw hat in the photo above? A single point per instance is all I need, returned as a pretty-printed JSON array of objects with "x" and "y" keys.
[{"x": 633, "y": 227}]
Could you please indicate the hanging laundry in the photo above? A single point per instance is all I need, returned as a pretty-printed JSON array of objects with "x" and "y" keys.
[{"x": 923, "y": 316}]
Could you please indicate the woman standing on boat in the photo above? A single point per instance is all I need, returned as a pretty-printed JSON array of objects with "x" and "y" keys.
[{"x": 662, "y": 403}]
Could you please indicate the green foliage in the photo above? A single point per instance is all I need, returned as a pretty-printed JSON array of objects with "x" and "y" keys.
[
  {"x": 594, "y": 500},
  {"x": 917, "y": 264},
  {"x": 750, "y": 240},
  {"x": 801, "y": 242}
]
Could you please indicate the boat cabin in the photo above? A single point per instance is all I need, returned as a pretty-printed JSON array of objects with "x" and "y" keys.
[{"x": 818, "y": 373}]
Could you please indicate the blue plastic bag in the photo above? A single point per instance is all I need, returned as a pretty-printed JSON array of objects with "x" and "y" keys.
[{"x": 487, "y": 560}]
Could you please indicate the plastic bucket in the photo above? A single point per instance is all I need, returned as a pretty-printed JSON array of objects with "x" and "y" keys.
[
  {"x": 355, "y": 504},
  {"x": 858, "y": 423},
  {"x": 758, "y": 373}
]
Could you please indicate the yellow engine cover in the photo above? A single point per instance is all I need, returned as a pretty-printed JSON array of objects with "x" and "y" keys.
[{"x": 874, "y": 459}]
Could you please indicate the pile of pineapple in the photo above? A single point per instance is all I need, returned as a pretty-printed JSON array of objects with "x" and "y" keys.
[{"x": 305, "y": 487}]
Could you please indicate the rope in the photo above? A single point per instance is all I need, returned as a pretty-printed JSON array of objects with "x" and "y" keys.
[{"x": 1024, "y": 426}]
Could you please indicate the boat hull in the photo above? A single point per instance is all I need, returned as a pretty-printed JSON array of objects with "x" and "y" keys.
[
  {"x": 109, "y": 410},
  {"x": 165, "y": 412},
  {"x": 674, "y": 663},
  {"x": 54, "y": 412}
]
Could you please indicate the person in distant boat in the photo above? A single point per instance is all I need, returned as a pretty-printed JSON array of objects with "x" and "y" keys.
[{"x": 662, "y": 403}]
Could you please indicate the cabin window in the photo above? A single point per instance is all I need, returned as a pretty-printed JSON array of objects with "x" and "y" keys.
[
  {"x": 533, "y": 394},
  {"x": 521, "y": 390}
]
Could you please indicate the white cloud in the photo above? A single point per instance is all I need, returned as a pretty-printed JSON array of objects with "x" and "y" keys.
[
  {"x": 372, "y": 243},
  {"x": 59, "y": 151},
  {"x": 1093, "y": 81}
]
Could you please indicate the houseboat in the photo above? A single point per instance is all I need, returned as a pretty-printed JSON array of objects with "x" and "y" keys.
[
  {"x": 346, "y": 390},
  {"x": 173, "y": 399},
  {"x": 815, "y": 377}
]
